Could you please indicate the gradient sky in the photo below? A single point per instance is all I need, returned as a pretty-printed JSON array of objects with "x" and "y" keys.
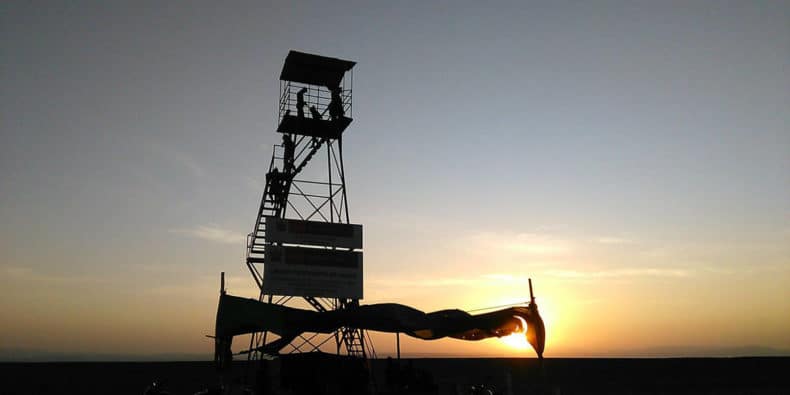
[{"x": 633, "y": 158}]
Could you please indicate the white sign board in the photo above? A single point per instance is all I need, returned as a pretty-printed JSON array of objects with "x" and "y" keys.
[
  {"x": 318, "y": 272},
  {"x": 293, "y": 231}
]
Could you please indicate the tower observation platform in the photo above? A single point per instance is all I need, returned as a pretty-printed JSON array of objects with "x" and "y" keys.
[{"x": 316, "y": 77}]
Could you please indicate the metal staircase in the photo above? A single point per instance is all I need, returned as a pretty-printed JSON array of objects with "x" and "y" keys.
[{"x": 256, "y": 240}]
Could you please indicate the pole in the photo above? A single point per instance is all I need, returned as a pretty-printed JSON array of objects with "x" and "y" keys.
[
  {"x": 397, "y": 340},
  {"x": 531, "y": 296}
]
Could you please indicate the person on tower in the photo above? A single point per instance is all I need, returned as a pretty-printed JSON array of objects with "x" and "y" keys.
[
  {"x": 314, "y": 112},
  {"x": 316, "y": 115},
  {"x": 336, "y": 104},
  {"x": 300, "y": 103},
  {"x": 274, "y": 181},
  {"x": 288, "y": 156}
]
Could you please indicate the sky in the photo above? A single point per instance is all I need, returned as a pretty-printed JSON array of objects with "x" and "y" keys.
[{"x": 632, "y": 158}]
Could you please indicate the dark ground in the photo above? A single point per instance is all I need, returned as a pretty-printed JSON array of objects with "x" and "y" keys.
[{"x": 562, "y": 376}]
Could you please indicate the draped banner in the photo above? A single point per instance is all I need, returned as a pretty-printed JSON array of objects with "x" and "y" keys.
[{"x": 236, "y": 316}]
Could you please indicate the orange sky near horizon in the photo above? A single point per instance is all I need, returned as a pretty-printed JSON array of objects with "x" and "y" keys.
[{"x": 587, "y": 313}]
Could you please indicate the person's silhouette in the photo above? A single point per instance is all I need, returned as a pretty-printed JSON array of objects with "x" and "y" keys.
[
  {"x": 336, "y": 104},
  {"x": 314, "y": 112},
  {"x": 288, "y": 156},
  {"x": 300, "y": 103},
  {"x": 273, "y": 180}
]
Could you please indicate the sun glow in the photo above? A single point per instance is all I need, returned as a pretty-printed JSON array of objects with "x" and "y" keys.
[{"x": 517, "y": 339}]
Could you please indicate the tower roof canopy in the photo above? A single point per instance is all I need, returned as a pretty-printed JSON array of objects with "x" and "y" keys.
[{"x": 314, "y": 69}]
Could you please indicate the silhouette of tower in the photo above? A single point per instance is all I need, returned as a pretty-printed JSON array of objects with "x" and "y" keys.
[{"x": 303, "y": 249}]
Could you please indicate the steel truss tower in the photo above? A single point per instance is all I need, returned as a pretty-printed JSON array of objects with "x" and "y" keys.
[{"x": 305, "y": 191}]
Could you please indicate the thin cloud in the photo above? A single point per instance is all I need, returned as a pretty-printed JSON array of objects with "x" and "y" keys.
[
  {"x": 213, "y": 233},
  {"x": 21, "y": 273},
  {"x": 506, "y": 278},
  {"x": 205, "y": 285},
  {"x": 181, "y": 158},
  {"x": 619, "y": 273},
  {"x": 424, "y": 282},
  {"x": 16, "y": 271},
  {"x": 523, "y": 243},
  {"x": 489, "y": 278},
  {"x": 612, "y": 240}
]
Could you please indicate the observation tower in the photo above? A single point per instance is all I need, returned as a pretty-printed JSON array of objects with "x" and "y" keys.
[
  {"x": 304, "y": 250},
  {"x": 307, "y": 329}
]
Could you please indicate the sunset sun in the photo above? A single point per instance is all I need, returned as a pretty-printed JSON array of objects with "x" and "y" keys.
[{"x": 517, "y": 339}]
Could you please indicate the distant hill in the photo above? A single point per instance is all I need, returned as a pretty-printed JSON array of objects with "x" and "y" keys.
[
  {"x": 31, "y": 355},
  {"x": 686, "y": 351}
]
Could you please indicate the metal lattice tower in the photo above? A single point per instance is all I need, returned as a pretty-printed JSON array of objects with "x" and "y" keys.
[{"x": 306, "y": 186}]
